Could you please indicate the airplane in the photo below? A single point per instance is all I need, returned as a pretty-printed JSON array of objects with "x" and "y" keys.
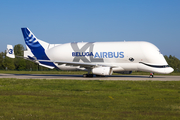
[{"x": 97, "y": 58}]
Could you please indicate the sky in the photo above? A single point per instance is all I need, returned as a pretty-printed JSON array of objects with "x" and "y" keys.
[{"x": 64, "y": 21}]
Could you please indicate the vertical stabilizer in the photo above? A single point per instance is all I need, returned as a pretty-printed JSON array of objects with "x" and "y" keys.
[
  {"x": 37, "y": 47},
  {"x": 10, "y": 51}
]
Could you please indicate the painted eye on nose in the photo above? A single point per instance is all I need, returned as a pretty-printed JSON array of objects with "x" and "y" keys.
[{"x": 131, "y": 59}]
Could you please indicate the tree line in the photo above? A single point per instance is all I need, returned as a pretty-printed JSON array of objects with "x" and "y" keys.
[
  {"x": 18, "y": 63},
  {"x": 22, "y": 64}
]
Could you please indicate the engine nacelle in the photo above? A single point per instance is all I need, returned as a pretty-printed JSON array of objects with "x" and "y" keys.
[{"x": 102, "y": 71}]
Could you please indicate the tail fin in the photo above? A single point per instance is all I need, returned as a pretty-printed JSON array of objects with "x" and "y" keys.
[
  {"x": 37, "y": 46},
  {"x": 10, "y": 51}
]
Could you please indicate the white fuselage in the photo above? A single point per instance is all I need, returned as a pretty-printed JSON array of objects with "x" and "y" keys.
[
  {"x": 124, "y": 56},
  {"x": 99, "y": 58}
]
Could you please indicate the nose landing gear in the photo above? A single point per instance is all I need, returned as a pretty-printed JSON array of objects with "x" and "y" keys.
[{"x": 151, "y": 75}]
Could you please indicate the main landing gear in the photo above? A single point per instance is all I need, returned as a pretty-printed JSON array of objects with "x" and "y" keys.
[
  {"x": 92, "y": 75},
  {"x": 151, "y": 75},
  {"x": 87, "y": 75}
]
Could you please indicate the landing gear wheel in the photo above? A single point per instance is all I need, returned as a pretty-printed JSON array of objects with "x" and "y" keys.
[
  {"x": 151, "y": 75},
  {"x": 84, "y": 75},
  {"x": 100, "y": 76},
  {"x": 87, "y": 75}
]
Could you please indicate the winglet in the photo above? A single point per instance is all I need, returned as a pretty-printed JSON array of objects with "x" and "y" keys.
[{"x": 10, "y": 51}]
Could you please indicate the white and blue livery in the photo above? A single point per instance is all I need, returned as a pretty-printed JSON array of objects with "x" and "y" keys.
[{"x": 98, "y": 58}]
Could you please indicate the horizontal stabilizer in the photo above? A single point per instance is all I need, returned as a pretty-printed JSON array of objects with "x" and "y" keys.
[{"x": 46, "y": 66}]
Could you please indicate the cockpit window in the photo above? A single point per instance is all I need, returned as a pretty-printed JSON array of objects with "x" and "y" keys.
[{"x": 131, "y": 59}]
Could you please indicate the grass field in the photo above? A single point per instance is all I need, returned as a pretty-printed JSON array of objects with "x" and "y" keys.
[{"x": 67, "y": 99}]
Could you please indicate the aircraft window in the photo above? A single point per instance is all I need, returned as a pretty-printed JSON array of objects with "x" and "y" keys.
[{"x": 131, "y": 59}]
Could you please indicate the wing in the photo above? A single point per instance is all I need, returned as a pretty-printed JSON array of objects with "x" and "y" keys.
[{"x": 85, "y": 65}]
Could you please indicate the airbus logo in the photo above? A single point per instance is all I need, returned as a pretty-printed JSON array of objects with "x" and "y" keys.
[
  {"x": 99, "y": 54},
  {"x": 31, "y": 38},
  {"x": 81, "y": 54},
  {"x": 109, "y": 55}
]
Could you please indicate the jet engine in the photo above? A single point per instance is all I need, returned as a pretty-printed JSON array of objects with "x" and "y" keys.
[{"x": 102, "y": 71}]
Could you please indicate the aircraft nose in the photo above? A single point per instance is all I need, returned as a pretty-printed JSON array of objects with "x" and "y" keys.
[{"x": 168, "y": 70}]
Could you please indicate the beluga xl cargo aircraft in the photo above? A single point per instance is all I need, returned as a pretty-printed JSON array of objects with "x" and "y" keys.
[{"x": 97, "y": 58}]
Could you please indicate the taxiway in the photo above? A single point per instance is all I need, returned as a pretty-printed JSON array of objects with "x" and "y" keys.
[{"x": 80, "y": 77}]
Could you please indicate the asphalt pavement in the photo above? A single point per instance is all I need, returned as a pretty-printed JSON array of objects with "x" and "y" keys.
[{"x": 80, "y": 77}]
